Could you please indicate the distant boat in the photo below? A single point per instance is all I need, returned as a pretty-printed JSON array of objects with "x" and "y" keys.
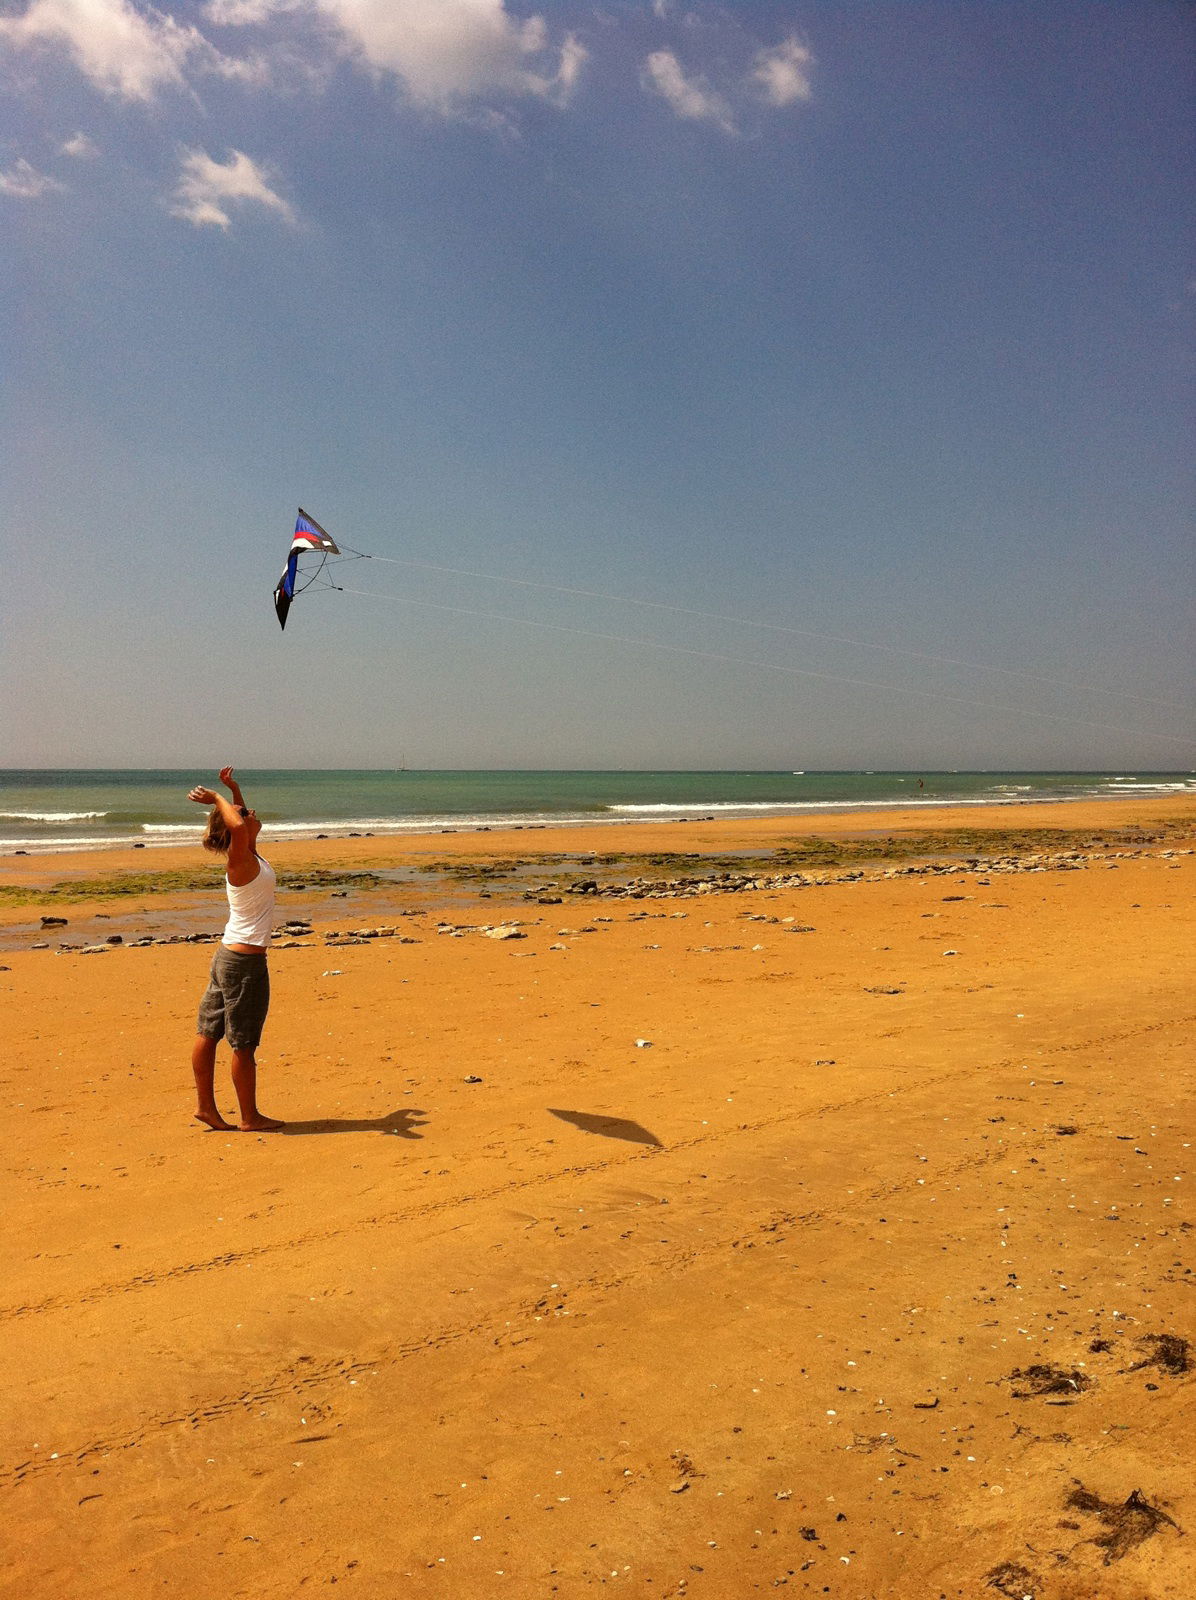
[{"x": 800, "y": 774}]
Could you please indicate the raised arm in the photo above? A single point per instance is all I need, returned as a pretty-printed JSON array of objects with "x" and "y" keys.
[
  {"x": 243, "y": 866},
  {"x": 230, "y": 813},
  {"x": 231, "y": 784}
]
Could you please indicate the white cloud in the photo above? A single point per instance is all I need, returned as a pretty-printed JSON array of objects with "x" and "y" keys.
[
  {"x": 79, "y": 146},
  {"x": 445, "y": 52},
  {"x": 784, "y": 73},
  {"x": 691, "y": 98},
  {"x": 780, "y": 77},
  {"x": 240, "y": 13},
  {"x": 124, "y": 51},
  {"x": 449, "y": 51},
  {"x": 121, "y": 50},
  {"x": 24, "y": 182},
  {"x": 207, "y": 188},
  {"x": 573, "y": 58}
]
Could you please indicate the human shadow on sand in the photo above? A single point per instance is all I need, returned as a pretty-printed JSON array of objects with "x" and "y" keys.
[
  {"x": 405, "y": 1123},
  {"x": 609, "y": 1127}
]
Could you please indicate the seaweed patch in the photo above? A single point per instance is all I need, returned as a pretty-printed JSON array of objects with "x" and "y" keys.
[
  {"x": 1166, "y": 1352},
  {"x": 1044, "y": 1379},
  {"x": 1127, "y": 1525},
  {"x": 1014, "y": 1581}
]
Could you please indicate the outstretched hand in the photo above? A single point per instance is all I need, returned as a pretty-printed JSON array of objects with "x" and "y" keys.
[
  {"x": 202, "y": 796},
  {"x": 226, "y": 777}
]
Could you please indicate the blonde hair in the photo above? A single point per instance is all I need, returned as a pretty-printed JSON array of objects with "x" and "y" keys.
[{"x": 216, "y": 835}]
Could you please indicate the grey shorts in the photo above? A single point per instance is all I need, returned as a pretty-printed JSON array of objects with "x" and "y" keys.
[{"x": 236, "y": 999}]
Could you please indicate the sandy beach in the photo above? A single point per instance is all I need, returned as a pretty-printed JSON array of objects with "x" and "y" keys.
[{"x": 831, "y": 1239}]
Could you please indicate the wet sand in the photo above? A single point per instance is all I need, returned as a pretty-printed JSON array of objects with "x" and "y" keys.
[{"x": 662, "y": 1249}]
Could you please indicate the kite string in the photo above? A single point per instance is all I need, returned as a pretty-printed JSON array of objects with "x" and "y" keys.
[
  {"x": 767, "y": 666},
  {"x": 315, "y": 577},
  {"x": 773, "y": 627}
]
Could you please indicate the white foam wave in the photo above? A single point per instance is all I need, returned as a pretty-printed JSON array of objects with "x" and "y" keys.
[
  {"x": 349, "y": 824},
  {"x": 41, "y": 846},
  {"x": 51, "y": 816},
  {"x": 672, "y": 807},
  {"x": 178, "y": 832},
  {"x": 165, "y": 835},
  {"x": 1141, "y": 786},
  {"x": 306, "y": 829},
  {"x": 774, "y": 808}
]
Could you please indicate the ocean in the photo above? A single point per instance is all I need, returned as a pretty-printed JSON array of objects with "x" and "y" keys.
[{"x": 69, "y": 810}]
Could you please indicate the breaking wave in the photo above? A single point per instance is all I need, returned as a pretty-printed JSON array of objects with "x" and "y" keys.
[{"x": 51, "y": 816}]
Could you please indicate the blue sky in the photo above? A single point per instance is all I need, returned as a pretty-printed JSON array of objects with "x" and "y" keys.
[{"x": 863, "y": 330}]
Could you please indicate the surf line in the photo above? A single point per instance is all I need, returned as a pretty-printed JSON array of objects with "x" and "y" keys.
[
  {"x": 778, "y": 627},
  {"x": 765, "y": 666}
]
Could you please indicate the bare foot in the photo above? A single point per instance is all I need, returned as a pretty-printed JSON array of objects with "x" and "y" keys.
[
  {"x": 213, "y": 1119},
  {"x": 262, "y": 1124}
]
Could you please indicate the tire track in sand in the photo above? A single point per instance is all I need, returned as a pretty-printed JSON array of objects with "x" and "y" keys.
[
  {"x": 233, "y": 1258},
  {"x": 502, "y": 1327}
]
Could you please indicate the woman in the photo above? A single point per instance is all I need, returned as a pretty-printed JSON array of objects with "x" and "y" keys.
[{"x": 238, "y": 995}]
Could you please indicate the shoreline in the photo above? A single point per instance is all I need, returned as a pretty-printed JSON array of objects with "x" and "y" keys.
[
  {"x": 175, "y": 895},
  {"x": 628, "y": 837}
]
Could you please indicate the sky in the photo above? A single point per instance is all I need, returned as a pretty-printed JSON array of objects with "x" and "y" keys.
[{"x": 758, "y": 385}]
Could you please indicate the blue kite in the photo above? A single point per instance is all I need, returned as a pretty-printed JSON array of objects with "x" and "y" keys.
[{"x": 309, "y": 539}]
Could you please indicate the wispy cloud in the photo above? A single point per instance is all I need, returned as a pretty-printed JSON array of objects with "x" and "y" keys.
[
  {"x": 783, "y": 74},
  {"x": 119, "y": 49},
  {"x": 80, "y": 147},
  {"x": 243, "y": 13},
  {"x": 779, "y": 77},
  {"x": 691, "y": 98},
  {"x": 25, "y": 182},
  {"x": 207, "y": 189},
  {"x": 471, "y": 58}
]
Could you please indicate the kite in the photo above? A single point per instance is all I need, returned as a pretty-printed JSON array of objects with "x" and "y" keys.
[{"x": 309, "y": 540}]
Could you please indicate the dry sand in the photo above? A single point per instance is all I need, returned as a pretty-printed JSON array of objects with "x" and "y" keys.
[{"x": 738, "y": 1310}]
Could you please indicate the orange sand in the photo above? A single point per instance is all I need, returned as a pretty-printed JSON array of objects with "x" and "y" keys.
[{"x": 743, "y": 1319}]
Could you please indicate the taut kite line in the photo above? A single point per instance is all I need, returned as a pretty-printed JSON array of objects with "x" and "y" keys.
[{"x": 311, "y": 544}]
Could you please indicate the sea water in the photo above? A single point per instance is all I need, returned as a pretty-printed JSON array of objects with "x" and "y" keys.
[{"x": 71, "y": 810}]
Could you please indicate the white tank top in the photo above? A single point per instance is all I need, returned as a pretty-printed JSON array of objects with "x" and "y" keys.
[{"x": 251, "y": 908}]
